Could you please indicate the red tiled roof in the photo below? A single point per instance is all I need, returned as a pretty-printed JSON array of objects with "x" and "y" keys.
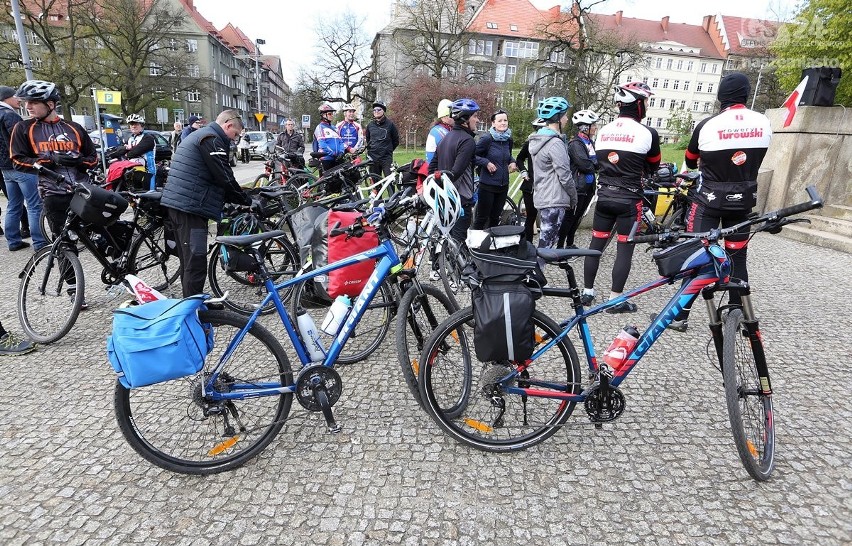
[
  {"x": 236, "y": 38},
  {"x": 644, "y": 30},
  {"x": 505, "y": 13},
  {"x": 747, "y": 37},
  {"x": 199, "y": 19}
]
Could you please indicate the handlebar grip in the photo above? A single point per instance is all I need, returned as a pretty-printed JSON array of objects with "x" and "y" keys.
[
  {"x": 53, "y": 175},
  {"x": 643, "y": 239},
  {"x": 814, "y": 203}
]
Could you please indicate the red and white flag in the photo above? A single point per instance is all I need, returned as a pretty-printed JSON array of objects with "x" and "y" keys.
[{"x": 792, "y": 102}]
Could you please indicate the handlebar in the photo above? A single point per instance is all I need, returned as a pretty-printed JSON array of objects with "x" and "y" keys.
[{"x": 53, "y": 175}]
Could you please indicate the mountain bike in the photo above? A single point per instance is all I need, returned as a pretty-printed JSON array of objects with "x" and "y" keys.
[
  {"x": 229, "y": 412},
  {"x": 52, "y": 289},
  {"x": 504, "y": 406}
]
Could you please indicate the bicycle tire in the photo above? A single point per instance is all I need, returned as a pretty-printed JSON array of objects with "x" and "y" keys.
[
  {"x": 48, "y": 234},
  {"x": 452, "y": 263},
  {"x": 368, "y": 334},
  {"x": 469, "y": 412},
  {"x": 151, "y": 260},
  {"x": 170, "y": 424},
  {"x": 418, "y": 315},
  {"x": 749, "y": 411},
  {"x": 245, "y": 290},
  {"x": 49, "y": 317},
  {"x": 512, "y": 215}
]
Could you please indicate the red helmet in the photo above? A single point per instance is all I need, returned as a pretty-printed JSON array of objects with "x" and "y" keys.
[
  {"x": 632, "y": 91},
  {"x": 326, "y": 107}
]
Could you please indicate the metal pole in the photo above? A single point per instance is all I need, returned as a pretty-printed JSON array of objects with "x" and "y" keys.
[
  {"x": 100, "y": 130},
  {"x": 19, "y": 26},
  {"x": 756, "y": 87},
  {"x": 257, "y": 78}
]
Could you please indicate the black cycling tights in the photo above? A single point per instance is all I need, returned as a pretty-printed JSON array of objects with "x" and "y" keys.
[{"x": 622, "y": 215}]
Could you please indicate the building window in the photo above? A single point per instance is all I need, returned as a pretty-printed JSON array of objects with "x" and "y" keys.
[
  {"x": 655, "y": 83},
  {"x": 489, "y": 48},
  {"x": 557, "y": 57},
  {"x": 172, "y": 44},
  {"x": 193, "y": 71},
  {"x": 695, "y": 106},
  {"x": 686, "y": 85},
  {"x": 196, "y": 114},
  {"x": 706, "y": 106},
  {"x": 651, "y": 102},
  {"x": 683, "y": 105},
  {"x": 510, "y": 49},
  {"x": 155, "y": 70},
  {"x": 500, "y": 73},
  {"x": 471, "y": 46},
  {"x": 645, "y": 79},
  {"x": 676, "y": 84},
  {"x": 528, "y": 50},
  {"x": 689, "y": 66},
  {"x": 513, "y": 28},
  {"x": 692, "y": 125},
  {"x": 703, "y": 67},
  {"x": 680, "y": 64},
  {"x": 665, "y": 84},
  {"x": 662, "y": 103},
  {"x": 32, "y": 38},
  {"x": 490, "y": 25},
  {"x": 658, "y": 122},
  {"x": 192, "y": 45},
  {"x": 648, "y": 121},
  {"x": 669, "y": 63},
  {"x": 715, "y": 67},
  {"x": 699, "y": 86},
  {"x": 672, "y": 104},
  {"x": 511, "y": 70},
  {"x": 530, "y": 76},
  {"x": 658, "y": 63},
  {"x": 193, "y": 96},
  {"x": 709, "y": 87}
]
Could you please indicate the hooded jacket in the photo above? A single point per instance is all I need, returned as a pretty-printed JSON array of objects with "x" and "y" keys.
[
  {"x": 554, "y": 185},
  {"x": 455, "y": 154}
]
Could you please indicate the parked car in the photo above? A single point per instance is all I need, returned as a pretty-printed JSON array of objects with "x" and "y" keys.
[
  {"x": 261, "y": 144},
  {"x": 163, "y": 149}
]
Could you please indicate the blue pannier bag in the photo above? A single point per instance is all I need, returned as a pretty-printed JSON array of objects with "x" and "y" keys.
[{"x": 159, "y": 341}]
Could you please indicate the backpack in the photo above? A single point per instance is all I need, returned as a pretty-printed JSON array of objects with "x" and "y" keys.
[
  {"x": 327, "y": 248},
  {"x": 159, "y": 341},
  {"x": 504, "y": 270}
]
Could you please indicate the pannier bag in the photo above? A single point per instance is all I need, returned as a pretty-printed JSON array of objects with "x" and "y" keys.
[
  {"x": 159, "y": 341},
  {"x": 686, "y": 255},
  {"x": 327, "y": 248},
  {"x": 96, "y": 205},
  {"x": 301, "y": 221},
  {"x": 234, "y": 259},
  {"x": 503, "y": 303}
]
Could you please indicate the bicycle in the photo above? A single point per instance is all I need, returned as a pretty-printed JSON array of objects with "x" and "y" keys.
[
  {"x": 53, "y": 278},
  {"x": 229, "y": 412},
  {"x": 508, "y": 406}
]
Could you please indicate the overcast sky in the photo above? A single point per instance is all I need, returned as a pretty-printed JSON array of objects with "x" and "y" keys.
[{"x": 288, "y": 26}]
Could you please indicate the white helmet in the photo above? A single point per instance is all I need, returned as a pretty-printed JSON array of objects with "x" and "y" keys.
[
  {"x": 135, "y": 118},
  {"x": 584, "y": 117},
  {"x": 443, "y": 198},
  {"x": 631, "y": 92},
  {"x": 444, "y": 108},
  {"x": 346, "y": 107}
]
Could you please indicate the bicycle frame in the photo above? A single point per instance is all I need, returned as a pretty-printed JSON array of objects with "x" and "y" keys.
[
  {"x": 388, "y": 261},
  {"x": 695, "y": 280}
]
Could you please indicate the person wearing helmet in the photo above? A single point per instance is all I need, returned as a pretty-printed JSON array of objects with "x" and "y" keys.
[
  {"x": 382, "y": 139},
  {"x": 327, "y": 139},
  {"x": 554, "y": 191},
  {"x": 440, "y": 129},
  {"x": 494, "y": 158},
  {"x": 525, "y": 164},
  {"x": 50, "y": 141},
  {"x": 584, "y": 164},
  {"x": 626, "y": 150},
  {"x": 141, "y": 146},
  {"x": 454, "y": 156},
  {"x": 351, "y": 131}
]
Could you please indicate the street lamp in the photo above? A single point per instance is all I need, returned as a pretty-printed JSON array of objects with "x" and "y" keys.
[
  {"x": 257, "y": 43},
  {"x": 19, "y": 26}
]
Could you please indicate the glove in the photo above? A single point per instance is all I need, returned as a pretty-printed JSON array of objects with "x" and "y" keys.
[
  {"x": 65, "y": 159},
  {"x": 255, "y": 206},
  {"x": 376, "y": 215}
]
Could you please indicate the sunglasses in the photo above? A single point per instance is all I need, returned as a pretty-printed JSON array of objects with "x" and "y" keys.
[{"x": 231, "y": 119}]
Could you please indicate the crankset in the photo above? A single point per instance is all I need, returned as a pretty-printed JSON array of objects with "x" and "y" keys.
[
  {"x": 318, "y": 388},
  {"x": 604, "y": 404}
]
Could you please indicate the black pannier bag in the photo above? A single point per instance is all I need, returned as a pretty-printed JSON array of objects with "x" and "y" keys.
[
  {"x": 503, "y": 302},
  {"x": 96, "y": 205}
]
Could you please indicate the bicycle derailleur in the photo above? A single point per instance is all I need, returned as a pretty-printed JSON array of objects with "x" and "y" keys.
[
  {"x": 604, "y": 402},
  {"x": 318, "y": 388}
]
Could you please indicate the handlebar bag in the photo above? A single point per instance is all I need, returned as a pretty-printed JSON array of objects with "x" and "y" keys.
[
  {"x": 159, "y": 341},
  {"x": 327, "y": 248},
  {"x": 687, "y": 255},
  {"x": 95, "y": 205}
]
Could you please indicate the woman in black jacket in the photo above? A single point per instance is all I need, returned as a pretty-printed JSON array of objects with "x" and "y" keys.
[
  {"x": 495, "y": 162},
  {"x": 525, "y": 163},
  {"x": 584, "y": 164}
]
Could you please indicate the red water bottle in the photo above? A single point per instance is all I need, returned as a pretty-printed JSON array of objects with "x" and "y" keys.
[{"x": 621, "y": 347}]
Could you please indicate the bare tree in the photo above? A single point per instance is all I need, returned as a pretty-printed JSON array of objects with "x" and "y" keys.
[{"x": 342, "y": 68}]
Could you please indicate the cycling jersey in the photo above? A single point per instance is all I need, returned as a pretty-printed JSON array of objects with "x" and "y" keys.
[
  {"x": 327, "y": 139},
  {"x": 626, "y": 150},
  {"x": 436, "y": 133},
  {"x": 143, "y": 146},
  {"x": 352, "y": 135}
]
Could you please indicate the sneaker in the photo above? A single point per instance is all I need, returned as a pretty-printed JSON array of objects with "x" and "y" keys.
[
  {"x": 587, "y": 299},
  {"x": 12, "y": 346},
  {"x": 623, "y": 307},
  {"x": 676, "y": 325},
  {"x": 20, "y": 246},
  {"x": 435, "y": 275},
  {"x": 72, "y": 291}
]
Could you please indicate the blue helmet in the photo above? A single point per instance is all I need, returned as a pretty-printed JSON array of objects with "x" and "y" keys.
[
  {"x": 463, "y": 109},
  {"x": 552, "y": 107}
]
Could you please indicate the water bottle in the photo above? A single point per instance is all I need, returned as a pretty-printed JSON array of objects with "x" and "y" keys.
[
  {"x": 621, "y": 346},
  {"x": 410, "y": 229},
  {"x": 310, "y": 336},
  {"x": 336, "y": 315}
]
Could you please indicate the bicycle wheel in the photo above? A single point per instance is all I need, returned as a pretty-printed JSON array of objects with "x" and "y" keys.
[
  {"x": 749, "y": 411},
  {"x": 511, "y": 214},
  {"x": 453, "y": 259},
  {"x": 468, "y": 401},
  {"x": 152, "y": 260},
  {"x": 245, "y": 289},
  {"x": 176, "y": 427},
  {"x": 418, "y": 315},
  {"x": 49, "y": 315},
  {"x": 49, "y": 236},
  {"x": 368, "y": 333}
]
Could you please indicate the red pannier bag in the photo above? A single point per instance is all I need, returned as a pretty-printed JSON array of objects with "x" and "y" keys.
[{"x": 328, "y": 249}]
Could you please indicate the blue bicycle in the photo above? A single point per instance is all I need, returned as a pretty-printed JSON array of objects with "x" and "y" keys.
[{"x": 229, "y": 412}]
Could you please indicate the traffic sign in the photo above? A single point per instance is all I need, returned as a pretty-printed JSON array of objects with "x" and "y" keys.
[
  {"x": 259, "y": 117},
  {"x": 306, "y": 121}
]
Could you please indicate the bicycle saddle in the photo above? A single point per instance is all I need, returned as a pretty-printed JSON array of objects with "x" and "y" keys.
[
  {"x": 552, "y": 255},
  {"x": 690, "y": 176},
  {"x": 241, "y": 241}
]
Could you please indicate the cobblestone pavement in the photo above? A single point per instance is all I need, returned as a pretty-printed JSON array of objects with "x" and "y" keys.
[{"x": 666, "y": 472}]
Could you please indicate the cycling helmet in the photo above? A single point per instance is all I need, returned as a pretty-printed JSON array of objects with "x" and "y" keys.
[
  {"x": 326, "y": 107},
  {"x": 380, "y": 104},
  {"x": 584, "y": 117},
  {"x": 37, "y": 90},
  {"x": 538, "y": 122},
  {"x": 135, "y": 118},
  {"x": 552, "y": 107},
  {"x": 347, "y": 106},
  {"x": 442, "y": 197},
  {"x": 444, "y": 108},
  {"x": 632, "y": 91},
  {"x": 462, "y": 109}
]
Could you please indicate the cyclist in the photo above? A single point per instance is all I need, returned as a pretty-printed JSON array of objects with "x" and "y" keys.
[
  {"x": 454, "y": 156},
  {"x": 584, "y": 164},
  {"x": 382, "y": 139},
  {"x": 495, "y": 162},
  {"x": 440, "y": 129},
  {"x": 525, "y": 163},
  {"x": 350, "y": 131},
  {"x": 626, "y": 151},
  {"x": 293, "y": 143},
  {"x": 327, "y": 139},
  {"x": 555, "y": 191},
  {"x": 728, "y": 148},
  {"x": 141, "y": 145}
]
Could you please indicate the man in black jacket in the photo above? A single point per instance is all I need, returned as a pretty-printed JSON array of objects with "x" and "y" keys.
[
  {"x": 382, "y": 139},
  {"x": 584, "y": 164},
  {"x": 200, "y": 182}
]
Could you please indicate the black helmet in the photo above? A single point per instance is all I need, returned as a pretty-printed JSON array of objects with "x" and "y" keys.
[
  {"x": 380, "y": 104},
  {"x": 37, "y": 90}
]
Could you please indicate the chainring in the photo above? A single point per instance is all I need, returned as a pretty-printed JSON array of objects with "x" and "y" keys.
[
  {"x": 604, "y": 404},
  {"x": 314, "y": 377}
]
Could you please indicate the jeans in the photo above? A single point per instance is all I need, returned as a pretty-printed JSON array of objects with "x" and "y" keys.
[
  {"x": 191, "y": 233},
  {"x": 22, "y": 187}
]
